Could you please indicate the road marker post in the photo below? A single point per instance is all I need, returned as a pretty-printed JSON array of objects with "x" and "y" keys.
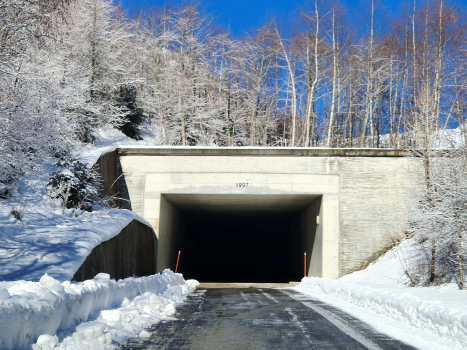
[
  {"x": 178, "y": 258},
  {"x": 304, "y": 264}
]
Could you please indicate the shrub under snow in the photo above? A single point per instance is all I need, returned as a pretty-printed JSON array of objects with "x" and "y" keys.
[{"x": 74, "y": 183}]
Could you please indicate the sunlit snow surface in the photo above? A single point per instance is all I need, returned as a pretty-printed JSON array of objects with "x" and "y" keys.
[
  {"x": 95, "y": 314},
  {"x": 52, "y": 242},
  {"x": 425, "y": 317},
  {"x": 41, "y": 252},
  {"x": 49, "y": 239}
]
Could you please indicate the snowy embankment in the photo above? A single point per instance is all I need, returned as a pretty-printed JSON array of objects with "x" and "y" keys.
[
  {"x": 44, "y": 244},
  {"x": 96, "y": 314},
  {"x": 381, "y": 288},
  {"x": 53, "y": 241},
  {"x": 48, "y": 238}
]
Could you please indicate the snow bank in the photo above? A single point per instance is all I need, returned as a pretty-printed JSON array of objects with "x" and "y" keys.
[
  {"x": 389, "y": 268},
  {"x": 382, "y": 288},
  {"x": 446, "y": 319},
  {"x": 31, "y": 311}
]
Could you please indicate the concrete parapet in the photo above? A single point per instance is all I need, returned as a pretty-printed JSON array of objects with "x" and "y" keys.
[{"x": 263, "y": 151}]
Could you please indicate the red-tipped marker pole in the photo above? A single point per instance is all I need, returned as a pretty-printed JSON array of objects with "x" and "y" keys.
[
  {"x": 304, "y": 264},
  {"x": 178, "y": 258}
]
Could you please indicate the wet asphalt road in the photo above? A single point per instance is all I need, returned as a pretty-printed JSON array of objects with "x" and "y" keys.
[{"x": 250, "y": 318}]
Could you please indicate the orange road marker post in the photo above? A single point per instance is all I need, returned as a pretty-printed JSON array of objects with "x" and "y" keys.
[
  {"x": 304, "y": 264},
  {"x": 178, "y": 258}
]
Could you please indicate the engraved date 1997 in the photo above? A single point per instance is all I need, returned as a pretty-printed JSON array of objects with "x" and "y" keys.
[{"x": 242, "y": 184}]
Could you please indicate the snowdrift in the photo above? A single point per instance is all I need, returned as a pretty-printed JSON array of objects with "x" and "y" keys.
[
  {"x": 31, "y": 311},
  {"x": 425, "y": 313},
  {"x": 383, "y": 288}
]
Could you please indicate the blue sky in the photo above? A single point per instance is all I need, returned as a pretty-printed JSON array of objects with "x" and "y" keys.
[{"x": 241, "y": 15}]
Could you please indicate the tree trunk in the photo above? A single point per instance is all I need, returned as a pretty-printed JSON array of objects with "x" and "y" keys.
[
  {"x": 292, "y": 83},
  {"x": 334, "y": 78},
  {"x": 433, "y": 261}
]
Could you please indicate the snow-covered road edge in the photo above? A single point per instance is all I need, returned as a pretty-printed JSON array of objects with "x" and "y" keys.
[
  {"x": 30, "y": 309},
  {"x": 396, "y": 304}
]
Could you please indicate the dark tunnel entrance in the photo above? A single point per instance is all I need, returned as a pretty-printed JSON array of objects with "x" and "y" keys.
[{"x": 237, "y": 238}]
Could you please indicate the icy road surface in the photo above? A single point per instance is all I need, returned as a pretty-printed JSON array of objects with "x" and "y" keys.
[{"x": 255, "y": 318}]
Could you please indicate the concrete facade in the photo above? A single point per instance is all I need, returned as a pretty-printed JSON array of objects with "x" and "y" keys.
[{"x": 360, "y": 197}]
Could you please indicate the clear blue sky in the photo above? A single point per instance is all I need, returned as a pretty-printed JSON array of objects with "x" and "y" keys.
[{"x": 241, "y": 15}]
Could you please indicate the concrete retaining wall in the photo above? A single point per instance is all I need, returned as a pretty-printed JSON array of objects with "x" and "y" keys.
[
  {"x": 107, "y": 167},
  {"x": 131, "y": 253}
]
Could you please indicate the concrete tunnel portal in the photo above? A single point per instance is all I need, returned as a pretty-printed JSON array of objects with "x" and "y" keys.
[
  {"x": 238, "y": 237},
  {"x": 340, "y": 206}
]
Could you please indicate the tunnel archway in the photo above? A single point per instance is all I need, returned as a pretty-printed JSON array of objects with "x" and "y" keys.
[{"x": 236, "y": 237}]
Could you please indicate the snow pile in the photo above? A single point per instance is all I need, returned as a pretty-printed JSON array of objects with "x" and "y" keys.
[
  {"x": 382, "y": 289},
  {"x": 31, "y": 311},
  {"x": 422, "y": 310}
]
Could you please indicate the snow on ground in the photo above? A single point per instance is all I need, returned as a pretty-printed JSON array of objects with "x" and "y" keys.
[
  {"x": 95, "y": 314},
  {"x": 389, "y": 268},
  {"x": 107, "y": 141},
  {"x": 40, "y": 254},
  {"x": 425, "y": 317},
  {"x": 49, "y": 239},
  {"x": 54, "y": 243}
]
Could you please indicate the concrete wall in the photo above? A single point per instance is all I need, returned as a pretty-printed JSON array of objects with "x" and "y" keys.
[
  {"x": 314, "y": 238},
  {"x": 131, "y": 253},
  {"x": 171, "y": 228},
  {"x": 365, "y": 194},
  {"x": 308, "y": 235},
  {"x": 107, "y": 167},
  {"x": 375, "y": 197}
]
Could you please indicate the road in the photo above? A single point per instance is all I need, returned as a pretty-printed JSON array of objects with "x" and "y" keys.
[{"x": 261, "y": 318}]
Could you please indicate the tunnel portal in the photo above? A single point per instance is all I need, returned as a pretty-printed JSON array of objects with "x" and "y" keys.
[
  {"x": 239, "y": 238},
  {"x": 246, "y": 212}
]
